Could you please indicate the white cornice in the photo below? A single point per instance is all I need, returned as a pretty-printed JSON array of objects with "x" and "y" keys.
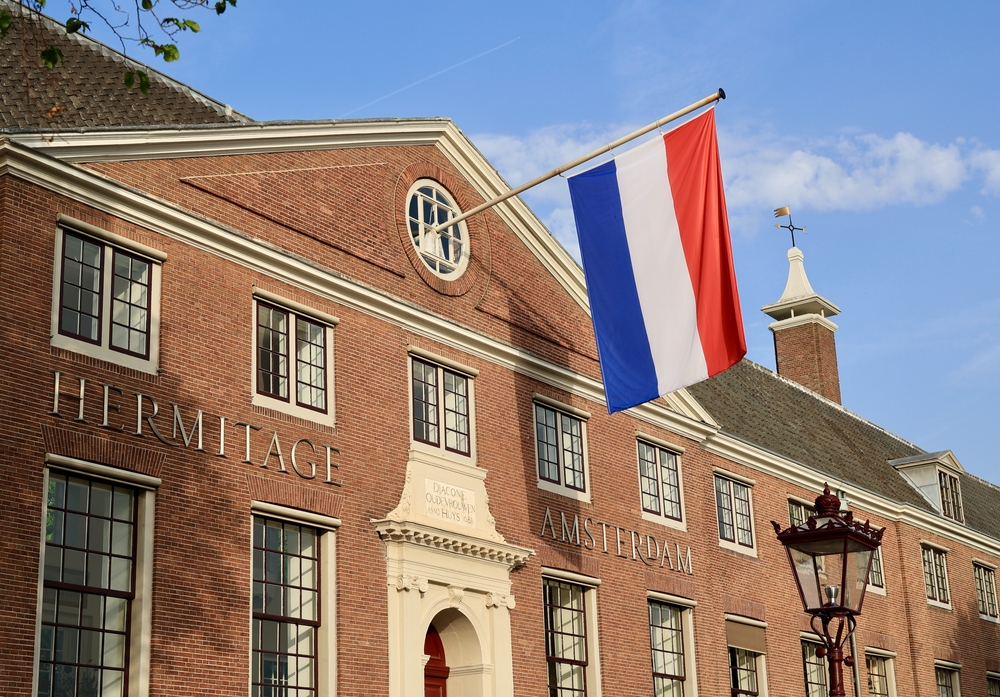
[
  {"x": 796, "y": 473},
  {"x": 164, "y": 218},
  {"x": 101, "y": 146}
]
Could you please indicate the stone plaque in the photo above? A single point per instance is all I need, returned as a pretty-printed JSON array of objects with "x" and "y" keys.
[{"x": 450, "y": 503}]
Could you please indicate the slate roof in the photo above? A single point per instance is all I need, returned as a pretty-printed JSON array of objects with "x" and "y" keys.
[
  {"x": 89, "y": 84},
  {"x": 760, "y": 407}
]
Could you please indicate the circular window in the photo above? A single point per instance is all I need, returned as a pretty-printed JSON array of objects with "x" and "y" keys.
[{"x": 445, "y": 252}]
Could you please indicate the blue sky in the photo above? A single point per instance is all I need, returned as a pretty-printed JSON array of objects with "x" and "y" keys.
[{"x": 876, "y": 122}]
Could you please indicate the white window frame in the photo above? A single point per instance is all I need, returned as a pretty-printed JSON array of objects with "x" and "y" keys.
[
  {"x": 817, "y": 642},
  {"x": 686, "y": 607},
  {"x": 659, "y": 444},
  {"x": 589, "y": 585},
  {"x": 749, "y": 483},
  {"x": 990, "y": 571},
  {"x": 877, "y": 590},
  {"x": 890, "y": 666},
  {"x": 326, "y": 635},
  {"x": 463, "y": 263},
  {"x": 958, "y": 485},
  {"x": 290, "y": 407},
  {"x": 583, "y": 417},
  {"x": 141, "y": 619},
  {"x": 442, "y": 363},
  {"x": 994, "y": 676},
  {"x": 955, "y": 669},
  {"x": 110, "y": 242},
  {"x": 935, "y": 550}
]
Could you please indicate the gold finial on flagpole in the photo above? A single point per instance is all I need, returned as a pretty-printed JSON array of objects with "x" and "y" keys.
[{"x": 787, "y": 210}]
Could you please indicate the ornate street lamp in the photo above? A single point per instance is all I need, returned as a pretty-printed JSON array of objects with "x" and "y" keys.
[{"x": 830, "y": 555}]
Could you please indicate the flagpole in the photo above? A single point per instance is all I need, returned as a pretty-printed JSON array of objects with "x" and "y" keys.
[{"x": 580, "y": 160}]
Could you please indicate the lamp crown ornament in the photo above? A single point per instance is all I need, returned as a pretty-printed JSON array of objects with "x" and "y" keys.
[{"x": 827, "y": 504}]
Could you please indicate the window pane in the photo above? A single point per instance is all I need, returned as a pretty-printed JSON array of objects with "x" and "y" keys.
[
  {"x": 945, "y": 682},
  {"x": 671, "y": 484},
  {"x": 130, "y": 304},
  {"x": 83, "y": 631},
  {"x": 666, "y": 640},
  {"x": 648, "y": 482},
  {"x": 283, "y": 644},
  {"x": 815, "y": 671},
  {"x": 81, "y": 288},
  {"x": 572, "y": 451},
  {"x": 878, "y": 678},
  {"x": 547, "y": 440},
  {"x": 456, "y": 412},
  {"x": 425, "y": 402},
  {"x": 272, "y": 351},
  {"x": 724, "y": 509},
  {"x": 744, "y": 526},
  {"x": 742, "y": 671},
  {"x": 310, "y": 372},
  {"x": 565, "y": 638}
]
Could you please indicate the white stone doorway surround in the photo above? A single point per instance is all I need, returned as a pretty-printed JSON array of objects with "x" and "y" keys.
[{"x": 447, "y": 565}]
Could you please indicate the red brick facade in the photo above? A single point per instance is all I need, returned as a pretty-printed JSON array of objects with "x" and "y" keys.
[
  {"x": 807, "y": 354},
  {"x": 337, "y": 215}
]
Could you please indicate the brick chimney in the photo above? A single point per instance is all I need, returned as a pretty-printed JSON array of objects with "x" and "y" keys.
[{"x": 804, "y": 347}]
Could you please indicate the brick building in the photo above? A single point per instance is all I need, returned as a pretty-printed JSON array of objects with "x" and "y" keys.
[{"x": 264, "y": 435}]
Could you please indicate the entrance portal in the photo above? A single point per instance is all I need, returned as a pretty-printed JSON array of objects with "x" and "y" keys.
[{"x": 436, "y": 670}]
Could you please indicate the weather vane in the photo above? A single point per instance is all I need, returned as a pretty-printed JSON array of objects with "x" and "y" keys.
[{"x": 786, "y": 210}]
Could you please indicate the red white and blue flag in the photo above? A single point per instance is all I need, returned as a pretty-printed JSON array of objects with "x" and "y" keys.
[{"x": 654, "y": 236}]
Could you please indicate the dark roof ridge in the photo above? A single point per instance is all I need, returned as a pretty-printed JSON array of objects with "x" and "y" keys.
[
  {"x": 107, "y": 51},
  {"x": 830, "y": 403}
]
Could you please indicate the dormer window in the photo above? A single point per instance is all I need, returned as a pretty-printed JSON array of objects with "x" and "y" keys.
[{"x": 951, "y": 496}]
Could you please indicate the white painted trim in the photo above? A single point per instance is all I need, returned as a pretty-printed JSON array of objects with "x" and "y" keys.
[
  {"x": 297, "y": 307},
  {"x": 939, "y": 604},
  {"x": 153, "y": 255},
  {"x": 92, "y": 469},
  {"x": 740, "y": 619},
  {"x": 799, "y": 320},
  {"x": 593, "y": 670},
  {"x": 141, "y": 648},
  {"x": 993, "y": 674},
  {"x": 439, "y": 453},
  {"x": 686, "y": 603},
  {"x": 801, "y": 501},
  {"x": 738, "y": 548},
  {"x": 294, "y": 515},
  {"x": 561, "y": 406},
  {"x": 659, "y": 518},
  {"x": 934, "y": 545},
  {"x": 441, "y": 360},
  {"x": 554, "y": 488},
  {"x": 877, "y": 590},
  {"x": 881, "y": 653},
  {"x": 40, "y": 588},
  {"x": 950, "y": 665},
  {"x": 665, "y": 521},
  {"x": 572, "y": 577},
  {"x": 666, "y": 445},
  {"x": 737, "y": 477},
  {"x": 560, "y": 488},
  {"x": 983, "y": 562},
  {"x": 811, "y": 637}
]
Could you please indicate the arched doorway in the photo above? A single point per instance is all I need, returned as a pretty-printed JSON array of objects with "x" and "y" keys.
[{"x": 436, "y": 669}]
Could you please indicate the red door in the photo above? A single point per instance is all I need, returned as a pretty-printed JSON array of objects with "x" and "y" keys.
[{"x": 436, "y": 671}]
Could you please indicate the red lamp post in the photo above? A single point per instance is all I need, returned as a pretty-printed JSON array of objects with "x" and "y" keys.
[{"x": 830, "y": 555}]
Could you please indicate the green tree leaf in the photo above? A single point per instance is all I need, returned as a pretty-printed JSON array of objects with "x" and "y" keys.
[
  {"x": 147, "y": 5},
  {"x": 5, "y": 20},
  {"x": 73, "y": 25},
  {"x": 51, "y": 57}
]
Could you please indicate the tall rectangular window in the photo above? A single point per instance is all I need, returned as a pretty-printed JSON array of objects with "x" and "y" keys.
[
  {"x": 875, "y": 576},
  {"x": 105, "y": 297},
  {"x": 951, "y": 496},
  {"x": 310, "y": 364},
  {"x": 986, "y": 591},
  {"x": 130, "y": 304},
  {"x": 89, "y": 582},
  {"x": 732, "y": 500},
  {"x": 992, "y": 687},
  {"x": 947, "y": 682},
  {"x": 878, "y": 675},
  {"x": 82, "y": 264},
  {"x": 798, "y": 513},
  {"x": 286, "y": 605},
  {"x": 659, "y": 481},
  {"x": 666, "y": 641},
  {"x": 743, "y": 671},
  {"x": 560, "y": 447},
  {"x": 272, "y": 351},
  {"x": 814, "y": 668},
  {"x": 565, "y": 638},
  {"x": 935, "y": 575},
  {"x": 432, "y": 386}
]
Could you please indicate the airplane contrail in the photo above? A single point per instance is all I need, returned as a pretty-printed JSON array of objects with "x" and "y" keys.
[{"x": 430, "y": 77}]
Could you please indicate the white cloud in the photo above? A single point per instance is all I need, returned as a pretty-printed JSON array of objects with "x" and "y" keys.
[
  {"x": 857, "y": 173},
  {"x": 987, "y": 162}
]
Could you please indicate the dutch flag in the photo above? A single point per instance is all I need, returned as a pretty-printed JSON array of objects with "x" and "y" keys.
[{"x": 654, "y": 237}]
